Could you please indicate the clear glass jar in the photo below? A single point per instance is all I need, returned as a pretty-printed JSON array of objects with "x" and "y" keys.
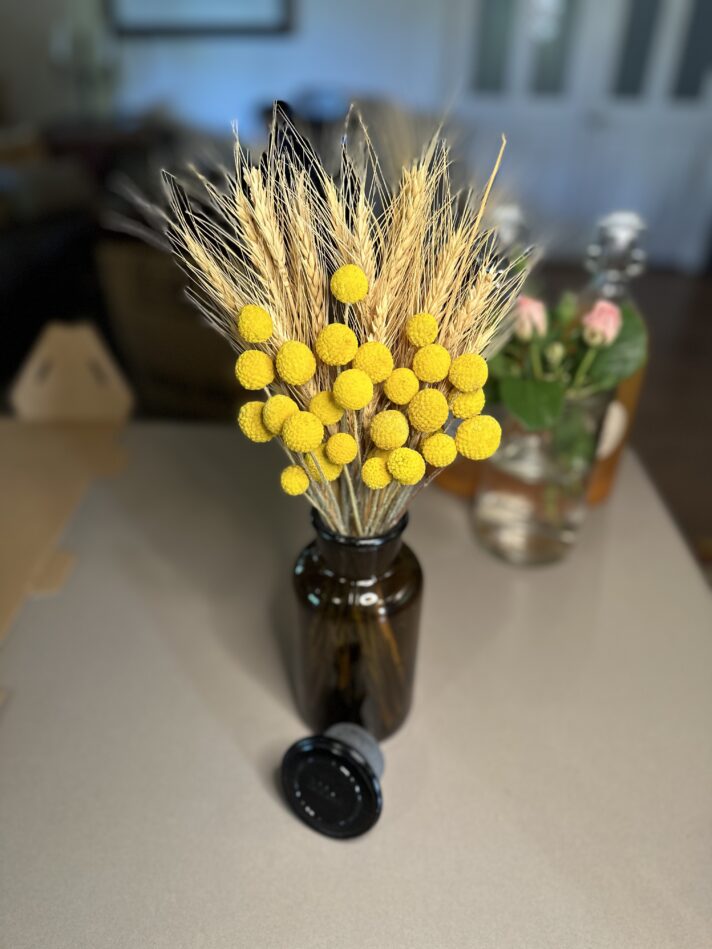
[
  {"x": 359, "y": 614},
  {"x": 531, "y": 497}
]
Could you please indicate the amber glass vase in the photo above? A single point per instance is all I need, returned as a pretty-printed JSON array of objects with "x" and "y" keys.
[{"x": 359, "y": 611}]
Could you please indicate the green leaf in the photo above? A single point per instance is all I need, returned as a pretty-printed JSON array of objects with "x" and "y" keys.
[
  {"x": 625, "y": 355},
  {"x": 535, "y": 403},
  {"x": 492, "y": 396},
  {"x": 497, "y": 366}
]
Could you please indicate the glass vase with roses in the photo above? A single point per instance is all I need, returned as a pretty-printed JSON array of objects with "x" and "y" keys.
[{"x": 552, "y": 383}]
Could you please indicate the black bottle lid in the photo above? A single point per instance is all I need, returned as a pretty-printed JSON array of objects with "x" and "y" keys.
[{"x": 331, "y": 781}]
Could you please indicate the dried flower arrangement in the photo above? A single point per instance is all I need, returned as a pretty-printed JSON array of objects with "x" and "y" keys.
[{"x": 365, "y": 315}]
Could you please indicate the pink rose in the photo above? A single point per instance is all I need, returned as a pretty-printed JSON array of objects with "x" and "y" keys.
[
  {"x": 531, "y": 319},
  {"x": 602, "y": 324}
]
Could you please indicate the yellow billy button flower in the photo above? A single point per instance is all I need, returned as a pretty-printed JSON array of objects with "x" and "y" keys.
[
  {"x": 254, "y": 369},
  {"x": 353, "y": 389},
  {"x": 406, "y": 465},
  {"x": 302, "y": 432},
  {"x": 401, "y": 386},
  {"x": 439, "y": 450},
  {"x": 421, "y": 329},
  {"x": 467, "y": 404},
  {"x": 276, "y": 411},
  {"x": 468, "y": 372},
  {"x": 349, "y": 284},
  {"x": 330, "y": 470},
  {"x": 254, "y": 324},
  {"x": 375, "y": 360},
  {"x": 389, "y": 429},
  {"x": 295, "y": 363},
  {"x": 326, "y": 408},
  {"x": 431, "y": 363},
  {"x": 428, "y": 410},
  {"x": 249, "y": 418},
  {"x": 341, "y": 449},
  {"x": 477, "y": 438},
  {"x": 294, "y": 480},
  {"x": 336, "y": 344},
  {"x": 375, "y": 473}
]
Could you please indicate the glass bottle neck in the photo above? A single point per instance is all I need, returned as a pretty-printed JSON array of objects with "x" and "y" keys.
[
  {"x": 358, "y": 558},
  {"x": 611, "y": 285},
  {"x": 615, "y": 257}
]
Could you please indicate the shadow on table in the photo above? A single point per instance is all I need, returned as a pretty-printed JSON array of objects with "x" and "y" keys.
[{"x": 218, "y": 542}]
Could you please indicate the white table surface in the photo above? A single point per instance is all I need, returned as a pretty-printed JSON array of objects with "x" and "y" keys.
[{"x": 551, "y": 788}]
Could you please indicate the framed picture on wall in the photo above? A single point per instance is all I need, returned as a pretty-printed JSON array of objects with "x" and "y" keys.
[{"x": 200, "y": 17}]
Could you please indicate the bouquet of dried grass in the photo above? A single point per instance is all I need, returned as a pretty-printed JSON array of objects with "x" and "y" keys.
[{"x": 363, "y": 313}]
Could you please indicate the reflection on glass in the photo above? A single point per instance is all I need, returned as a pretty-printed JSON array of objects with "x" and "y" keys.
[
  {"x": 636, "y": 47},
  {"x": 552, "y": 24},
  {"x": 494, "y": 32},
  {"x": 696, "y": 53}
]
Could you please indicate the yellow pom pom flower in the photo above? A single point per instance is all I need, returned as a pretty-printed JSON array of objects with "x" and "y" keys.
[
  {"x": 349, "y": 284},
  {"x": 428, "y": 410},
  {"x": 249, "y": 418},
  {"x": 468, "y": 372},
  {"x": 406, "y": 465},
  {"x": 341, "y": 449},
  {"x": 431, "y": 363},
  {"x": 254, "y": 324},
  {"x": 295, "y": 363},
  {"x": 421, "y": 329},
  {"x": 439, "y": 450},
  {"x": 254, "y": 369},
  {"x": 336, "y": 345},
  {"x": 318, "y": 463},
  {"x": 477, "y": 438},
  {"x": 294, "y": 480},
  {"x": 467, "y": 404},
  {"x": 302, "y": 432},
  {"x": 353, "y": 389},
  {"x": 326, "y": 408},
  {"x": 401, "y": 386},
  {"x": 375, "y": 360},
  {"x": 375, "y": 474},
  {"x": 276, "y": 411},
  {"x": 389, "y": 429}
]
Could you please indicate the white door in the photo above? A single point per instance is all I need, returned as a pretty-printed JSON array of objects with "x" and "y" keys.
[{"x": 606, "y": 104}]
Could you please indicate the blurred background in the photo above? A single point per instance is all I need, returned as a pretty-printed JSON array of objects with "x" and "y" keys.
[{"x": 606, "y": 104}]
